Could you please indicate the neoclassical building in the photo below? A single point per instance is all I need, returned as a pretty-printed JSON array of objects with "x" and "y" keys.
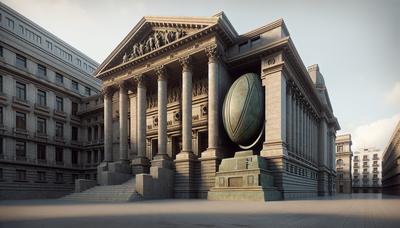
[
  {"x": 367, "y": 170},
  {"x": 163, "y": 89},
  {"x": 391, "y": 164},
  {"x": 344, "y": 157}
]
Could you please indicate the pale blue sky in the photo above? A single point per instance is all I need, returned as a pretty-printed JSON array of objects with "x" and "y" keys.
[{"x": 355, "y": 43}]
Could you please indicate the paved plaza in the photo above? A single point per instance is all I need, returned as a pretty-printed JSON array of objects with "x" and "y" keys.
[{"x": 361, "y": 210}]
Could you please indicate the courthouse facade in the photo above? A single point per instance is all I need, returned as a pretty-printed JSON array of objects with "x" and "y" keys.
[
  {"x": 163, "y": 89},
  {"x": 391, "y": 164}
]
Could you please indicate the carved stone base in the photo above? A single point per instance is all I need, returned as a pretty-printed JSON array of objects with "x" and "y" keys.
[
  {"x": 185, "y": 175},
  {"x": 244, "y": 177},
  {"x": 209, "y": 162},
  {"x": 113, "y": 173},
  {"x": 159, "y": 184},
  {"x": 162, "y": 161}
]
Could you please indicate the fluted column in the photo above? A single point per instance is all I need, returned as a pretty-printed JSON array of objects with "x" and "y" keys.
[
  {"x": 123, "y": 121},
  {"x": 212, "y": 97},
  {"x": 108, "y": 135},
  {"x": 186, "y": 104},
  {"x": 289, "y": 120},
  {"x": 162, "y": 112},
  {"x": 141, "y": 117}
]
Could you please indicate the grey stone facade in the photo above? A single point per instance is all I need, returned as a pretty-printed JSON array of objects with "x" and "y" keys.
[
  {"x": 344, "y": 157},
  {"x": 391, "y": 164},
  {"x": 44, "y": 85}
]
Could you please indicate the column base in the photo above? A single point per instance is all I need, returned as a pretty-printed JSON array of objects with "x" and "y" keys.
[
  {"x": 140, "y": 165},
  {"x": 161, "y": 161},
  {"x": 185, "y": 163},
  {"x": 209, "y": 162},
  {"x": 113, "y": 173}
]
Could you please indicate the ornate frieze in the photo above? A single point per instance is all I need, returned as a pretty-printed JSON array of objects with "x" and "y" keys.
[
  {"x": 186, "y": 63},
  {"x": 200, "y": 87},
  {"x": 154, "y": 41}
]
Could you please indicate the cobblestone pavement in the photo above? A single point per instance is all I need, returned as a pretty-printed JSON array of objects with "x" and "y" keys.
[{"x": 357, "y": 210}]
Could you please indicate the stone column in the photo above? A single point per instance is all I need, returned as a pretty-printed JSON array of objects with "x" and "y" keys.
[
  {"x": 141, "y": 163},
  {"x": 99, "y": 132},
  {"x": 289, "y": 119},
  {"x": 184, "y": 165},
  {"x": 186, "y": 105},
  {"x": 162, "y": 158},
  {"x": 108, "y": 131},
  {"x": 123, "y": 121}
]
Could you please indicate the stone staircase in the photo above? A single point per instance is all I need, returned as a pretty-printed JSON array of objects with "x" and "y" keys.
[{"x": 108, "y": 193}]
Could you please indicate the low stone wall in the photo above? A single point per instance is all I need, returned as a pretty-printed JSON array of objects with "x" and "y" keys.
[{"x": 84, "y": 184}]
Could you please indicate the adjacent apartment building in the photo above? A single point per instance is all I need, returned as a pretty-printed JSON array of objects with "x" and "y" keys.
[
  {"x": 343, "y": 164},
  {"x": 391, "y": 164},
  {"x": 45, "y": 85},
  {"x": 367, "y": 170}
]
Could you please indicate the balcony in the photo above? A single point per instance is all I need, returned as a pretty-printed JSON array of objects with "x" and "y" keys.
[
  {"x": 365, "y": 165},
  {"x": 3, "y": 97},
  {"x": 76, "y": 143},
  {"x": 356, "y": 166},
  {"x": 59, "y": 114},
  {"x": 59, "y": 139},
  {"x": 375, "y": 158},
  {"x": 375, "y": 165},
  {"x": 41, "y": 136},
  {"x": 365, "y": 159},
  {"x": 25, "y": 160},
  {"x": 20, "y": 132},
  {"x": 20, "y": 158},
  {"x": 42, "y": 161},
  {"x": 20, "y": 103},
  {"x": 42, "y": 109}
]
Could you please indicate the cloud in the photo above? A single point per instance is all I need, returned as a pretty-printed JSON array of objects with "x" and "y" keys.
[
  {"x": 374, "y": 134},
  {"x": 393, "y": 96}
]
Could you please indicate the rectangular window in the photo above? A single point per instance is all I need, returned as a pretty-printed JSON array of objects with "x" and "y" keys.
[
  {"x": 41, "y": 176},
  {"x": 74, "y": 133},
  {"x": 1, "y": 83},
  {"x": 20, "y": 149},
  {"x": 41, "y": 152},
  {"x": 74, "y": 157},
  {"x": 59, "y": 177},
  {"x": 74, "y": 108},
  {"x": 49, "y": 45},
  {"x": 75, "y": 85},
  {"x": 20, "y": 91},
  {"x": 21, "y": 175},
  {"x": 89, "y": 157},
  {"x": 41, "y": 70},
  {"x": 59, "y": 154},
  {"x": 1, "y": 146},
  {"x": 1, "y": 174},
  {"x": 59, "y": 129},
  {"x": 340, "y": 149},
  {"x": 1, "y": 51},
  {"x": 87, "y": 91},
  {"x": 59, "y": 78},
  {"x": 79, "y": 62},
  {"x": 20, "y": 61},
  {"x": 20, "y": 120},
  {"x": 1, "y": 115},
  {"x": 41, "y": 125},
  {"x": 59, "y": 104},
  {"x": 41, "y": 98}
]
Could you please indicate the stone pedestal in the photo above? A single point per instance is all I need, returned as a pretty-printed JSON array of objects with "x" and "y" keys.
[
  {"x": 209, "y": 162},
  {"x": 159, "y": 184},
  {"x": 112, "y": 173},
  {"x": 140, "y": 165},
  {"x": 161, "y": 161},
  {"x": 244, "y": 177},
  {"x": 185, "y": 175}
]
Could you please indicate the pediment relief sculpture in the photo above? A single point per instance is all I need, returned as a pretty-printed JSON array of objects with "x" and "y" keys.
[{"x": 155, "y": 40}]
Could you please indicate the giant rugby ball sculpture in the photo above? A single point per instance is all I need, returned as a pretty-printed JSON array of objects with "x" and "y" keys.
[{"x": 243, "y": 111}]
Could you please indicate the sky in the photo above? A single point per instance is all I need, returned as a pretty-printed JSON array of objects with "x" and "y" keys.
[{"x": 355, "y": 43}]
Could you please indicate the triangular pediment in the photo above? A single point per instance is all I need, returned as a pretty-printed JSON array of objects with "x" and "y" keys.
[{"x": 153, "y": 33}]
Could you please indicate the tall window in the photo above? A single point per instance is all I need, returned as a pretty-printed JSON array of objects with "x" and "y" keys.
[
  {"x": 1, "y": 115},
  {"x": 87, "y": 91},
  {"x": 74, "y": 133},
  {"x": 60, "y": 104},
  {"x": 75, "y": 85},
  {"x": 74, "y": 157},
  {"x": 340, "y": 148},
  {"x": 41, "y": 125},
  {"x": 59, "y": 129},
  {"x": 20, "y": 61},
  {"x": 74, "y": 108},
  {"x": 1, "y": 51},
  {"x": 1, "y": 83},
  {"x": 59, "y": 177},
  {"x": 41, "y": 152},
  {"x": 59, "y": 78},
  {"x": 20, "y": 91},
  {"x": 1, "y": 146},
  {"x": 20, "y": 120},
  {"x": 59, "y": 154},
  {"x": 41, "y": 70},
  {"x": 41, "y": 97},
  {"x": 20, "y": 149}
]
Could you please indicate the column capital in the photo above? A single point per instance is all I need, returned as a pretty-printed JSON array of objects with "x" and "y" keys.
[
  {"x": 212, "y": 53},
  {"x": 140, "y": 80},
  {"x": 186, "y": 63},
  {"x": 123, "y": 85},
  {"x": 161, "y": 72},
  {"x": 108, "y": 91}
]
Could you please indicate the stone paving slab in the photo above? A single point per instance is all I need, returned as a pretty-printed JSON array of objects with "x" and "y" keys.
[{"x": 361, "y": 210}]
